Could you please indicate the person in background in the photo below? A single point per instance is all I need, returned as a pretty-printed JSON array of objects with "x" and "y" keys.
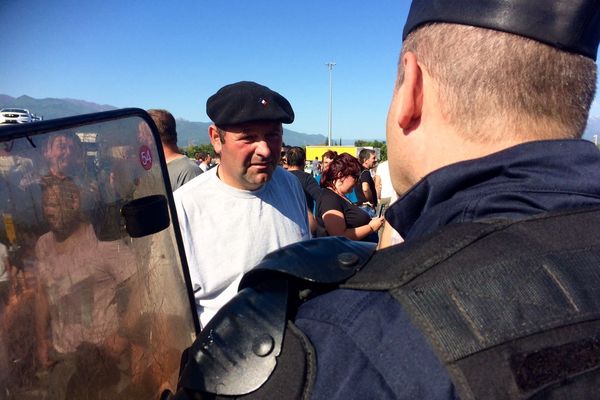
[
  {"x": 83, "y": 288},
  {"x": 204, "y": 160},
  {"x": 283, "y": 159},
  {"x": 65, "y": 157},
  {"x": 387, "y": 196},
  {"x": 236, "y": 213},
  {"x": 5, "y": 278},
  {"x": 296, "y": 158},
  {"x": 181, "y": 169},
  {"x": 316, "y": 167},
  {"x": 336, "y": 215},
  {"x": 327, "y": 158},
  {"x": 366, "y": 193},
  {"x": 383, "y": 184}
]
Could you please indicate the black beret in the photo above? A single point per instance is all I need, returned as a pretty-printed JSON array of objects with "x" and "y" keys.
[
  {"x": 570, "y": 25},
  {"x": 248, "y": 102}
]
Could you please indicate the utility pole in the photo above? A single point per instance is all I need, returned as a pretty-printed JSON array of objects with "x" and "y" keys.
[
  {"x": 595, "y": 139},
  {"x": 330, "y": 65}
]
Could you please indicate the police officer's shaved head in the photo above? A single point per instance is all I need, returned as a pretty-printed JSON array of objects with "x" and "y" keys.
[{"x": 528, "y": 64}]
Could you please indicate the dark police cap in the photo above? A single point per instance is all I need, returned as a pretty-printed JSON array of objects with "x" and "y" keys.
[
  {"x": 248, "y": 102},
  {"x": 570, "y": 25}
]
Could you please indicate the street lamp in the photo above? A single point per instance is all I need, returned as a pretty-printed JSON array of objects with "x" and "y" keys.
[{"x": 330, "y": 66}]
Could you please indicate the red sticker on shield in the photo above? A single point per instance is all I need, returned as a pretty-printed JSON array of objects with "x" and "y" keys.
[{"x": 145, "y": 157}]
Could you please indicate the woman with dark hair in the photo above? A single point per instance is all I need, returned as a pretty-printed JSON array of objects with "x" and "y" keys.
[{"x": 336, "y": 215}]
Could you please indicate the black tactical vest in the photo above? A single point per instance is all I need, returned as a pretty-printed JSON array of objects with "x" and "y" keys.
[{"x": 512, "y": 309}]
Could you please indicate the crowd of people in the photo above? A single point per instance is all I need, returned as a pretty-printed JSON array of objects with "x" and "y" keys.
[
  {"x": 336, "y": 214},
  {"x": 345, "y": 205}
]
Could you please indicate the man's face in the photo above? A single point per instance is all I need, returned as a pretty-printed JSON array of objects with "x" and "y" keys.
[
  {"x": 249, "y": 154},
  {"x": 61, "y": 210},
  {"x": 61, "y": 155},
  {"x": 371, "y": 161}
]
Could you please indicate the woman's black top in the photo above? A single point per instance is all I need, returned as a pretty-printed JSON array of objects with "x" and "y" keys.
[{"x": 353, "y": 215}]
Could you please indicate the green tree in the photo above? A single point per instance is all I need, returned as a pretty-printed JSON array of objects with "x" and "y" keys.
[
  {"x": 190, "y": 151},
  {"x": 383, "y": 152},
  {"x": 382, "y": 146},
  {"x": 369, "y": 143}
]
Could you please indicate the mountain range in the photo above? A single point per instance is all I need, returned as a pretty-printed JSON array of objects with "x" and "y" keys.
[{"x": 188, "y": 132}]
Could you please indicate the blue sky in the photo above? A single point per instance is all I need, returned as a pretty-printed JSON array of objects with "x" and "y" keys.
[{"x": 175, "y": 54}]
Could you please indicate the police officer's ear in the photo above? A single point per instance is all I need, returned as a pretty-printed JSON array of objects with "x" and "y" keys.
[
  {"x": 409, "y": 96},
  {"x": 216, "y": 138}
]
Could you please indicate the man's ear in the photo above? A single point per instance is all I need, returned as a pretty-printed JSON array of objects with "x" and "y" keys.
[
  {"x": 215, "y": 138},
  {"x": 410, "y": 92}
]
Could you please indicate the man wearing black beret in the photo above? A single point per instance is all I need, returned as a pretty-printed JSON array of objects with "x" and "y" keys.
[
  {"x": 236, "y": 213},
  {"x": 495, "y": 293}
]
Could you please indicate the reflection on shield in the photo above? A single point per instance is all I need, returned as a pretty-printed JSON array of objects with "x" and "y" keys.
[{"x": 87, "y": 311}]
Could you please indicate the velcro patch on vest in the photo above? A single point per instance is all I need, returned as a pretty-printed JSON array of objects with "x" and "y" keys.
[
  {"x": 493, "y": 303},
  {"x": 553, "y": 364}
]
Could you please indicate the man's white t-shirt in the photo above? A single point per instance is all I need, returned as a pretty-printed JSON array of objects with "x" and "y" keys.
[
  {"x": 81, "y": 276},
  {"x": 387, "y": 190},
  {"x": 227, "y": 231}
]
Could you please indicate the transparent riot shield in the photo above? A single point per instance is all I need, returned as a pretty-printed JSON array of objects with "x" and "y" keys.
[{"x": 94, "y": 290}]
